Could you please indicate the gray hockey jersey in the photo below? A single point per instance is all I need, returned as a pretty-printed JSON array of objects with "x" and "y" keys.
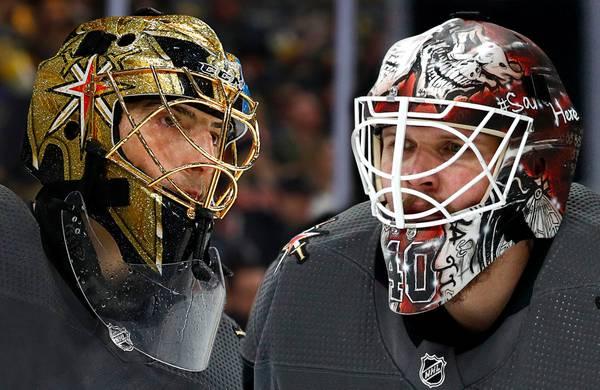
[
  {"x": 322, "y": 321},
  {"x": 49, "y": 340}
]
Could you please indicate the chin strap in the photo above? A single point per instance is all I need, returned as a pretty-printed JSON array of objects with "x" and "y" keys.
[
  {"x": 204, "y": 266},
  {"x": 208, "y": 264}
]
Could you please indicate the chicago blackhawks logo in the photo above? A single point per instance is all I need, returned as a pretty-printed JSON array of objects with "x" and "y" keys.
[
  {"x": 297, "y": 244},
  {"x": 451, "y": 61},
  {"x": 433, "y": 370},
  {"x": 464, "y": 65}
]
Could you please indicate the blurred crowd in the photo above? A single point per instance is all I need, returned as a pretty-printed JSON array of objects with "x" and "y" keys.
[{"x": 287, "y": 54}]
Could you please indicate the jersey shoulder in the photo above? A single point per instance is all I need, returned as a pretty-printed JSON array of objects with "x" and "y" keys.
[
  {"x": 564, "y": 302},
  {"x": 583, "y": 205},
  {"x": 572, "y": 257},
  {"x": 27, "y": 272},
  {"x": 346, "y": 234},
  {"x": 311, "y": 260}
]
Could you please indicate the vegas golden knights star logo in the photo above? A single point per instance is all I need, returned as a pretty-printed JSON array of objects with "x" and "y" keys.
[
  {"x": 433, "y": 370},
  {"x": 297, "y": 245}
]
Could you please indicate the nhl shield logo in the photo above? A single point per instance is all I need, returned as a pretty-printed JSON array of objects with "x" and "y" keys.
[{"x": 433, "y": 370}]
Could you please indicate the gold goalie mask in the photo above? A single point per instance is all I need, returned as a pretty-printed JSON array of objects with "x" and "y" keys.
[{"x": 139, "y": 129}]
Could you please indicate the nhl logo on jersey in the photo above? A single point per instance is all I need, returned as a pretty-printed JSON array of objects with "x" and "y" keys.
[{"x": 433, "y": 370}]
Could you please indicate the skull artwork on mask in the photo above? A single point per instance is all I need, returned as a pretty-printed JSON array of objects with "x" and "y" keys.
[{"x": 466, "y": 63}]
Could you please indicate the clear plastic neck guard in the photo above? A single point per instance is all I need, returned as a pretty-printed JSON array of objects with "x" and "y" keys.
[{"x": 169, "y": 312}]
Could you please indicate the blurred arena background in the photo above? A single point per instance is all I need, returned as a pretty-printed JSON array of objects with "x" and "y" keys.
[{"x": 304, "y": 61}]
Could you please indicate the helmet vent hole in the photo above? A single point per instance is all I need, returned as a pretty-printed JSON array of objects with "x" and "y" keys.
[
  {"x": 71, "y": 130},
  {"x": 126, "y": 40}
]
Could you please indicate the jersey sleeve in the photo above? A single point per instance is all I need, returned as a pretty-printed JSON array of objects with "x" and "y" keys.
[{"x": 259, "y": 314}]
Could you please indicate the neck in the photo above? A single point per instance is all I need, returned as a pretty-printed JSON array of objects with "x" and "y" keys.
[{"x": 477, "y": 306}]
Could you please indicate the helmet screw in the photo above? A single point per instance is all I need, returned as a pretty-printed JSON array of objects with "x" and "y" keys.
[{"x": 191, "y": 213}]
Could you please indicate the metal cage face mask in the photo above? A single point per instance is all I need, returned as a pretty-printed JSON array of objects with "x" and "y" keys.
[
  {"x": 206, "y": 138},
  {"x": 384, "y": 139}
]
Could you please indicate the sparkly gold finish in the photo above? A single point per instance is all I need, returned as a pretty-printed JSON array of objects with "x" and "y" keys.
[{"x": 84, "y": 90}]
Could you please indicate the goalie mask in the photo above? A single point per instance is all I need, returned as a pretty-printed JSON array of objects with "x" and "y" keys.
[
  {"x": 465, "y": 145},
  {"x": 139, "y": 128}
]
